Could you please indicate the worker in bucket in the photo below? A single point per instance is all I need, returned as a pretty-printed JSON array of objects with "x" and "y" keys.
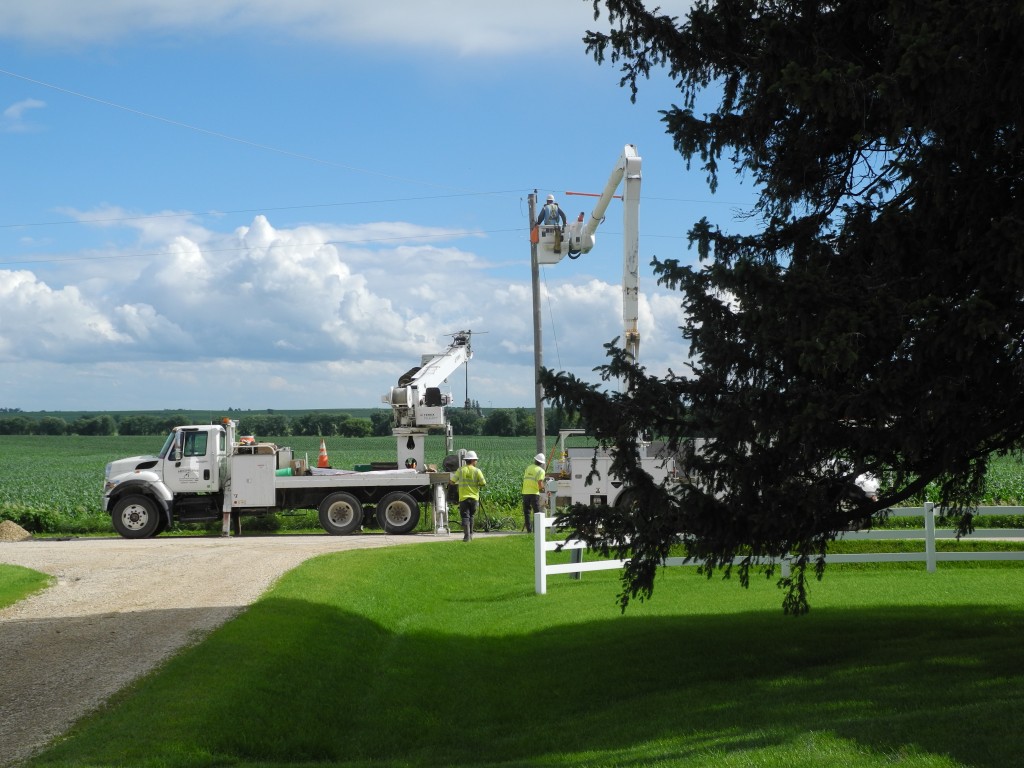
[
  {"x": 533, "y": 482},
  {"x": 471, "y": 481},
  {"x": 552, "y": 215}
]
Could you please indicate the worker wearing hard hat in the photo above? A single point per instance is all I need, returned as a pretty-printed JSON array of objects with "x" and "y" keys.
[
  {"x": 471, "y": 481},
  {"x": 553, "y": 216},
  {"x": 533, "y": 481},
  {"x": 551, "y": 213}
]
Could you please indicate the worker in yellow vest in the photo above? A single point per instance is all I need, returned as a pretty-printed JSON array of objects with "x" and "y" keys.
[
  {"x": 533, "y": 481},
  {"x": 471, "y": 481}
]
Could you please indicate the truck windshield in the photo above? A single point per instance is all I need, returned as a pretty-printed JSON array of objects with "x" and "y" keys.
[{"x": 167, "y": 445}]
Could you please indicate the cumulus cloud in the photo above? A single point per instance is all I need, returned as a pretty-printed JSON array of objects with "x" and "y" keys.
[
  {"x": 292, "y": 317},
  {"x": 39, "y": 322},
  {"x": 464, "y": 27}
]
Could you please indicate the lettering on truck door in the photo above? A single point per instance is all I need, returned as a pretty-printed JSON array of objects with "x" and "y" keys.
[{"x": 196, "y": 469}]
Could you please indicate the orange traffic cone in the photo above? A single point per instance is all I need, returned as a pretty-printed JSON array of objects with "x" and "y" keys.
[{"x": 322, "y": 462}]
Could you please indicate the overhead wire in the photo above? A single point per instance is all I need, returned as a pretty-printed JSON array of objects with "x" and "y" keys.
[
  {"x": 361, "y": 241},
  {"x": 461, "y": 191},
  {"x": 224, "y": 136},
  {"x": 281, "y": 151},
  {"x": 551, "y": 318},
  {"x": 216, "y": 212}
]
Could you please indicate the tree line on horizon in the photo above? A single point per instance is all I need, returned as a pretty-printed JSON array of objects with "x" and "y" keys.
[{"x": 499, "y": 422}]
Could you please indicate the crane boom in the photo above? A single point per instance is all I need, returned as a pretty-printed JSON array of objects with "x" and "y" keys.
[
  {"x": 580, "y": 237},
  {"x": 417, "y": 401}
]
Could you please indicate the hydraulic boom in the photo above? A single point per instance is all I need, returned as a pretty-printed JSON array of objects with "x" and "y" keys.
[
  {"x": 579, "y": 237},
  {"x": 417, "y": 403}
]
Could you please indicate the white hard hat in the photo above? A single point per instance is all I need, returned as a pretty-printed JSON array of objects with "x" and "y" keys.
[
  {"x": 470, "y": 455},
  {"x": 539, "y": 458},
  {"x": 551, "y": 198}
]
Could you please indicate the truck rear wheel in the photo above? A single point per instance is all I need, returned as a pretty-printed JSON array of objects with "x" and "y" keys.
[
  {"x": 136, "y": 517},
  {"x": 398, "y": 512},
  {"x": 341, "y": 513}
]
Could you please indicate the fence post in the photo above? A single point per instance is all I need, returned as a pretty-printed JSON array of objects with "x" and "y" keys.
[
  {"x": 540, "y": 531},
  {"x": 929, "y": 535}
]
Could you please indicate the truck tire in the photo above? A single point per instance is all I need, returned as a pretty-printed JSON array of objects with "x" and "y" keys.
[
  {"x": 136, "y": 517},
  {"x": 398, "y": 512},
  {"x": 340, "y": 513}
]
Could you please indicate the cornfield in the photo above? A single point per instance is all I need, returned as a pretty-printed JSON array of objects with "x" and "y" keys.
[{"x": 55, "y": 484}]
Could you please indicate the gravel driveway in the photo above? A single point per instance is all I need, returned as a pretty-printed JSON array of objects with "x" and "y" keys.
[{"x": 119, "y": 608}]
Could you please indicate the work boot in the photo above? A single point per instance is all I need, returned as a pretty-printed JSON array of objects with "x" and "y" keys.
[{"x": 466, "y": 528}]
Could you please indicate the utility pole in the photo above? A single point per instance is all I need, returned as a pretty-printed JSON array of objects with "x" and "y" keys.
[{"x": 538, "y": 350}]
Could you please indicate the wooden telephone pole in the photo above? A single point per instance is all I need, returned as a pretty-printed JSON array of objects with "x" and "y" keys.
[{"x": 538, "y": 351}]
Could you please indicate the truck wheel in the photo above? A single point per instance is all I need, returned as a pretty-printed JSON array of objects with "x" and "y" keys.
[
  {"x": 136, "y": 517},
  {"x": 398, "y": 512},
  {"x": 341, "y": 513}
]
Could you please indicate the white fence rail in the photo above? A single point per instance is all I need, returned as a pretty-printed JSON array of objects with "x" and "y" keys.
[{"x": 576, "y": 548}]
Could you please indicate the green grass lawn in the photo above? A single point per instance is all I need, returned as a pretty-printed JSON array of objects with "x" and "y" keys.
[
  {"x": 442, "y": 655},
  {"x": 17, "y": 583}
]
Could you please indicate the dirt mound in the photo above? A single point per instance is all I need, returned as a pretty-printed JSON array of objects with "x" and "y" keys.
[{"x": 11, "y": 531}]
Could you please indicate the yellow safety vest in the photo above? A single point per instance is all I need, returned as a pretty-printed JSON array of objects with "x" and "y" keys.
[
  {"x": 470, "y": 480},
  {"x": 532, "y": 479}
]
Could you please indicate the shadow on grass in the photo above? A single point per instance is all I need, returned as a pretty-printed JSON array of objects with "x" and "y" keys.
[{"x": 343, "y": 690}]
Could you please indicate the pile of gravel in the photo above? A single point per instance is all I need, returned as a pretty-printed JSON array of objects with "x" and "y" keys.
[{"x": 11, "y": 531}]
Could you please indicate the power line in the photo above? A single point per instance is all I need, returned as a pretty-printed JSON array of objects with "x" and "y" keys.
[
  {"x": 287, "y": 152},
  {"x": 363, "y": 241},
  {"x": 187, "y": 214},
  {"x": 223, "y": 136}
]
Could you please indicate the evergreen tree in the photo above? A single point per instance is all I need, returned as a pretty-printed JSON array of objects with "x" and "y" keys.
[{"x": 874, "y": 322}]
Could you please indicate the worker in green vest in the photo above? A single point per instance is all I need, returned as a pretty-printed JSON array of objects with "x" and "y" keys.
[
  {"x": 533, "y": 482},
  {"x": 471, "y": 481}
]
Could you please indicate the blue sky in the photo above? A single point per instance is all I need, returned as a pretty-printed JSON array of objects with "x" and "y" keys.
[{"x": 255, "y": 204}]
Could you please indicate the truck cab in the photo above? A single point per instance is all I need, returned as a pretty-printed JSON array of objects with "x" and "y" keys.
[{"x": 185, "y": 480}]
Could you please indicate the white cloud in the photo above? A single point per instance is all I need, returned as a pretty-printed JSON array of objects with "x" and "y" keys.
[
  {"x": 265, "y": 317},
  {"x": 463, "y": 27},
  {"x": 14, "y": 116},
  {"x": 257, "y": 289},
  {"x": 17, "y": 110},
  {"x": 38, "y": 322}
]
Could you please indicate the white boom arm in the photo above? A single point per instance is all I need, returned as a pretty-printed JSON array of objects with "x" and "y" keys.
[
  {"x": 580, "y": 238},
  {"x": 417, "y": 401}
]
